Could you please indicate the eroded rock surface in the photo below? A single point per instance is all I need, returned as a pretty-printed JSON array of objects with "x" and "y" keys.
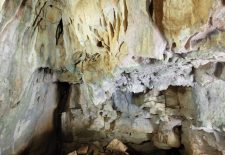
[{"x": 148, "y": 73}]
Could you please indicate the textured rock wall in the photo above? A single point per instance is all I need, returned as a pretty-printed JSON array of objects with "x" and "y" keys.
[{"x": 147, "y": 72}]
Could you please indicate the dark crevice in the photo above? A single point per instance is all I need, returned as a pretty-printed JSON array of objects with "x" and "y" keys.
[
  {"x": 50, "y": 141},
  {"x": 38, "y": 19},
  {"x": 22, "y": 5},
  {"x": 63, "y": 94},
  {"x": 218, "y": 69},
  {"x": 174, "y": 45},
  {"x": 59, "y": 31},
  {"x": 178, "y": 130},
  {"x": 210, "y": 21},
  {"x": 46, "y": 70},
  {"x": 99, "y": 44},
  {"x": 223, "y": 2},
  {"x": 155, "y": 11},
  {"x": 151, "y": 9},
  {"x": 38, "y": 15},
  {"x": 125, "y": 22}
]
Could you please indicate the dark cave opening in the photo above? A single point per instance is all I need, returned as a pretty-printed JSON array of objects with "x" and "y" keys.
[
  {"x": 63, "y": 94},
  {"x": 54, "y": 142}
]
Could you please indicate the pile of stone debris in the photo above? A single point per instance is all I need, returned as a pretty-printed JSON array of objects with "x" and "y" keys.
[{"x": 115, "y": 147}]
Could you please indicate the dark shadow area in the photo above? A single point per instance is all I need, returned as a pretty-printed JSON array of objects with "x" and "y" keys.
[
  {"x": 223, "y": 2},
  {"x": 155, "y": 11},
  {"x": 63, "y": 93},
  {"x": 219, "y": 69},
  {"x": 48, "y": 141},
  {"x": 173, "y": 151},
  {"x": 59, "y": 31}
]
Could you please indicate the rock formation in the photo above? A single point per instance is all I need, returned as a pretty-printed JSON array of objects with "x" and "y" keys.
[{"x": 146, "y": 73}]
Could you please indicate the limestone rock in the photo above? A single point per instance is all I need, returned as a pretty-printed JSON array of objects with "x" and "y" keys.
[
  {"x": 73, "y": 153},
  {"x": 116, "y": 145},
  {"x": 141, "y": 72},
  {"x": 83, "y": 149},
  {"x": 168, "y": 135}
]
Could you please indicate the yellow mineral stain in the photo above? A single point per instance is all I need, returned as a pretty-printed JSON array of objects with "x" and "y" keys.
[{"x": 182, "y": 18}]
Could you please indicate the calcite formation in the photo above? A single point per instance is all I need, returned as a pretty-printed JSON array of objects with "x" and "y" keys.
[{"x": 144, "y": 76}]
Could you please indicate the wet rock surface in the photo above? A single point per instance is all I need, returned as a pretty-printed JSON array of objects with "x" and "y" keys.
[{"x": 112, "y": 77}]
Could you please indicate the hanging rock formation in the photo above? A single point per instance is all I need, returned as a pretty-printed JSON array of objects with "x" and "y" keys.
[{"x": 147, "y": 75}]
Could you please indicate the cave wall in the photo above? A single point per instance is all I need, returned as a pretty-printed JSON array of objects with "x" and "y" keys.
[{"x": 79, "y": 71}]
